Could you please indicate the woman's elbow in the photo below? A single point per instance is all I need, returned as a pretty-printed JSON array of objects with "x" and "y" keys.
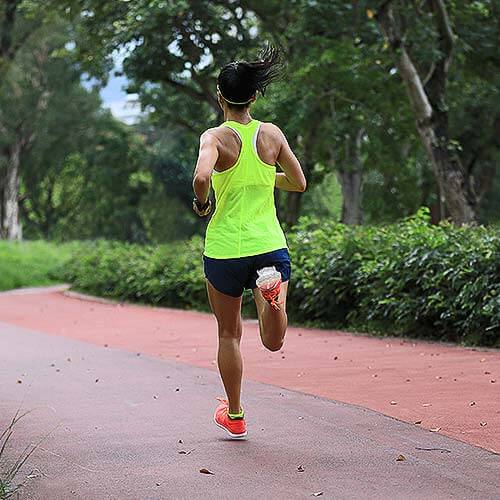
[
  {"x": 302, "y": 186},
  {"x": 200, "y": 180}
]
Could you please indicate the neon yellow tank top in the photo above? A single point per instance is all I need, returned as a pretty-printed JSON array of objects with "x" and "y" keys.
[{"x": 245, "y": 221}]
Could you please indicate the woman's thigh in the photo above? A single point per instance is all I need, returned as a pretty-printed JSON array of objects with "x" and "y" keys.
[{"x": 227, "y": 310}]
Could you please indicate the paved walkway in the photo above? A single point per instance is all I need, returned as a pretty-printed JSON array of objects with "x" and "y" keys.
[
  {"x": 454, "y": 390},
  {"x": 128, "y": 427},
  {"x": 130, "y": 413}
]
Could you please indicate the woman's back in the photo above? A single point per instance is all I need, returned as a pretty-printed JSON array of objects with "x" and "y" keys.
[
  {"x": 268, "y": 144},
  {"x": 244, "y": 222}
]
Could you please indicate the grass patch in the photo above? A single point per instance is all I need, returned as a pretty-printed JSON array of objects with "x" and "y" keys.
[
  {"x": 31, "y": 263},
  {"x": 9, "y": 485}
]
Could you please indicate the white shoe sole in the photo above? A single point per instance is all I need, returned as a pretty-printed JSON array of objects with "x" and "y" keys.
[{"x": 233, "y": 436}]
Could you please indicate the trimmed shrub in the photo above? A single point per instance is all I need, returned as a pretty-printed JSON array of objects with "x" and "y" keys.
[{"x": 412, "y": 278}]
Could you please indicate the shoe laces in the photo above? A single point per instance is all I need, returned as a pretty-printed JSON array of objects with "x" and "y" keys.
[{"x": 270, "y": 295}]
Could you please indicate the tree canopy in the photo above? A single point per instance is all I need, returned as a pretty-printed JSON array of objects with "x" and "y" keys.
[{"x": 390, "y": 106}]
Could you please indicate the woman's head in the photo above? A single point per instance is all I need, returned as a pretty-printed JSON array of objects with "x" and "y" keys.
[{"x": 239, "y": 81}]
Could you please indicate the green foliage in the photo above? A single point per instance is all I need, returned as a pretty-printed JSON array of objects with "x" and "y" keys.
[
  {"x": 169, "y": 275},
  {"x": 10, "y": 471},
  {"x": 411, "y": 278},
  {"x": 31, "y": 263}
]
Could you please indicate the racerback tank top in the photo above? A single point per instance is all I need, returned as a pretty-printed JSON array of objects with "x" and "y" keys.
[{"x": 244, "y": 222}]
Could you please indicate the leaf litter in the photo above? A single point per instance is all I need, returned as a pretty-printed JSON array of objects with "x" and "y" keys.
[{"x": 206, "y": 471}]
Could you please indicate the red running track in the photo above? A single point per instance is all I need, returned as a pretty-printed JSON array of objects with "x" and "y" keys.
[{"x": 451, "y": 390}]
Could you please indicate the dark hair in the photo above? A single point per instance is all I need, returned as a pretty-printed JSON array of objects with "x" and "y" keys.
[{"x": 239, "y": 81}]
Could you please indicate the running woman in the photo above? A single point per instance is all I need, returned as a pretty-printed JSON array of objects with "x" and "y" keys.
[{"x": 238, "y": 159}]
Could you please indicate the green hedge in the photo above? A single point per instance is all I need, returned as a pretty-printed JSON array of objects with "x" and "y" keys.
[
  {"x": 168, "y": 275},
  {"x": 411, "y": 278}
]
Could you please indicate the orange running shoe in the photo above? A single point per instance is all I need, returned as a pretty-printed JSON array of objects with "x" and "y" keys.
[
  {"x": 269, "y": 283},
  {"x": 235, "y": 427}
]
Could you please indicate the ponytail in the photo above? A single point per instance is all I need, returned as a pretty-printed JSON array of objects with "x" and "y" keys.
[{"x": 239, "y": 81}]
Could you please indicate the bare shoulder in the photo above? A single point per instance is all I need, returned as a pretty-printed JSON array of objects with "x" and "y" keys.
[
  {"x": 271, "y": 131},
  {"x": 210, "y": 135},
  {"x": 217, "y": 135}
]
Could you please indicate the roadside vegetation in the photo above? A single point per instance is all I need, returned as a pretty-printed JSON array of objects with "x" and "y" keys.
[
  {"x": 411, "y": 278},
  {"x": 31, "y": 263},
  {"x": 10, "y": 484}
]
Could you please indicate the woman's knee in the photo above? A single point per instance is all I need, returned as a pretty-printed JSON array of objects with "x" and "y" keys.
[
  {"x": 272, "y": 343},
  {"x": 230, "y": 332}
]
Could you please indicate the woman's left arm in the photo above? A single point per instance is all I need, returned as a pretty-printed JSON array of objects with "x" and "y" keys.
[{"x": 207, "y": 158}]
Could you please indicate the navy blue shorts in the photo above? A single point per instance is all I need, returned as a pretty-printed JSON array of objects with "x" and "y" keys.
[{"x": 232, "y": 276}]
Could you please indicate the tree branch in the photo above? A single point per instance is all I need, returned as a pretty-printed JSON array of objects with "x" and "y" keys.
[
  {"x": 185, "y": 89},
  {"x": 447, "y": 38},
  {"x": 436, "y": 81},
  {"x": 9, "y": 19},
  {"x": 406, "y": 67}
]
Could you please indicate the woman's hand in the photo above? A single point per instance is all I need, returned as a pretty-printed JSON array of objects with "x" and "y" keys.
[{"x": 202, "y": 209}]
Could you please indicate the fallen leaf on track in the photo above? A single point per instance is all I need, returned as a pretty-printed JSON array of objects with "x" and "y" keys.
[
  {"x": 435, "y": 429},
  {"x": 394, "y": 402},
  {"x": 401, "y": 458},
  {"x": 206, "y": 471},
  {"x": 442, "y": 450},
  {"x": 418, "y": 422}
]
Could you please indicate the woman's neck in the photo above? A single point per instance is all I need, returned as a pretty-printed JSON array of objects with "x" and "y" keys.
[{"x": 238, "y": 116}]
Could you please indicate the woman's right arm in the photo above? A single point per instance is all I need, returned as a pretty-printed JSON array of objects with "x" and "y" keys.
[
  {"x": 292, "y": 178},
  {"x": 207, "y": 158}
]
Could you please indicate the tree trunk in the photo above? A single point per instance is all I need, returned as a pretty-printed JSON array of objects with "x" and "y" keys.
[
  {"x": 428, "y": 102},
  {"x": 351, "y": 182},
  {"x": 292, "y": 208},
  {"x": 10, "y": 211}
]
